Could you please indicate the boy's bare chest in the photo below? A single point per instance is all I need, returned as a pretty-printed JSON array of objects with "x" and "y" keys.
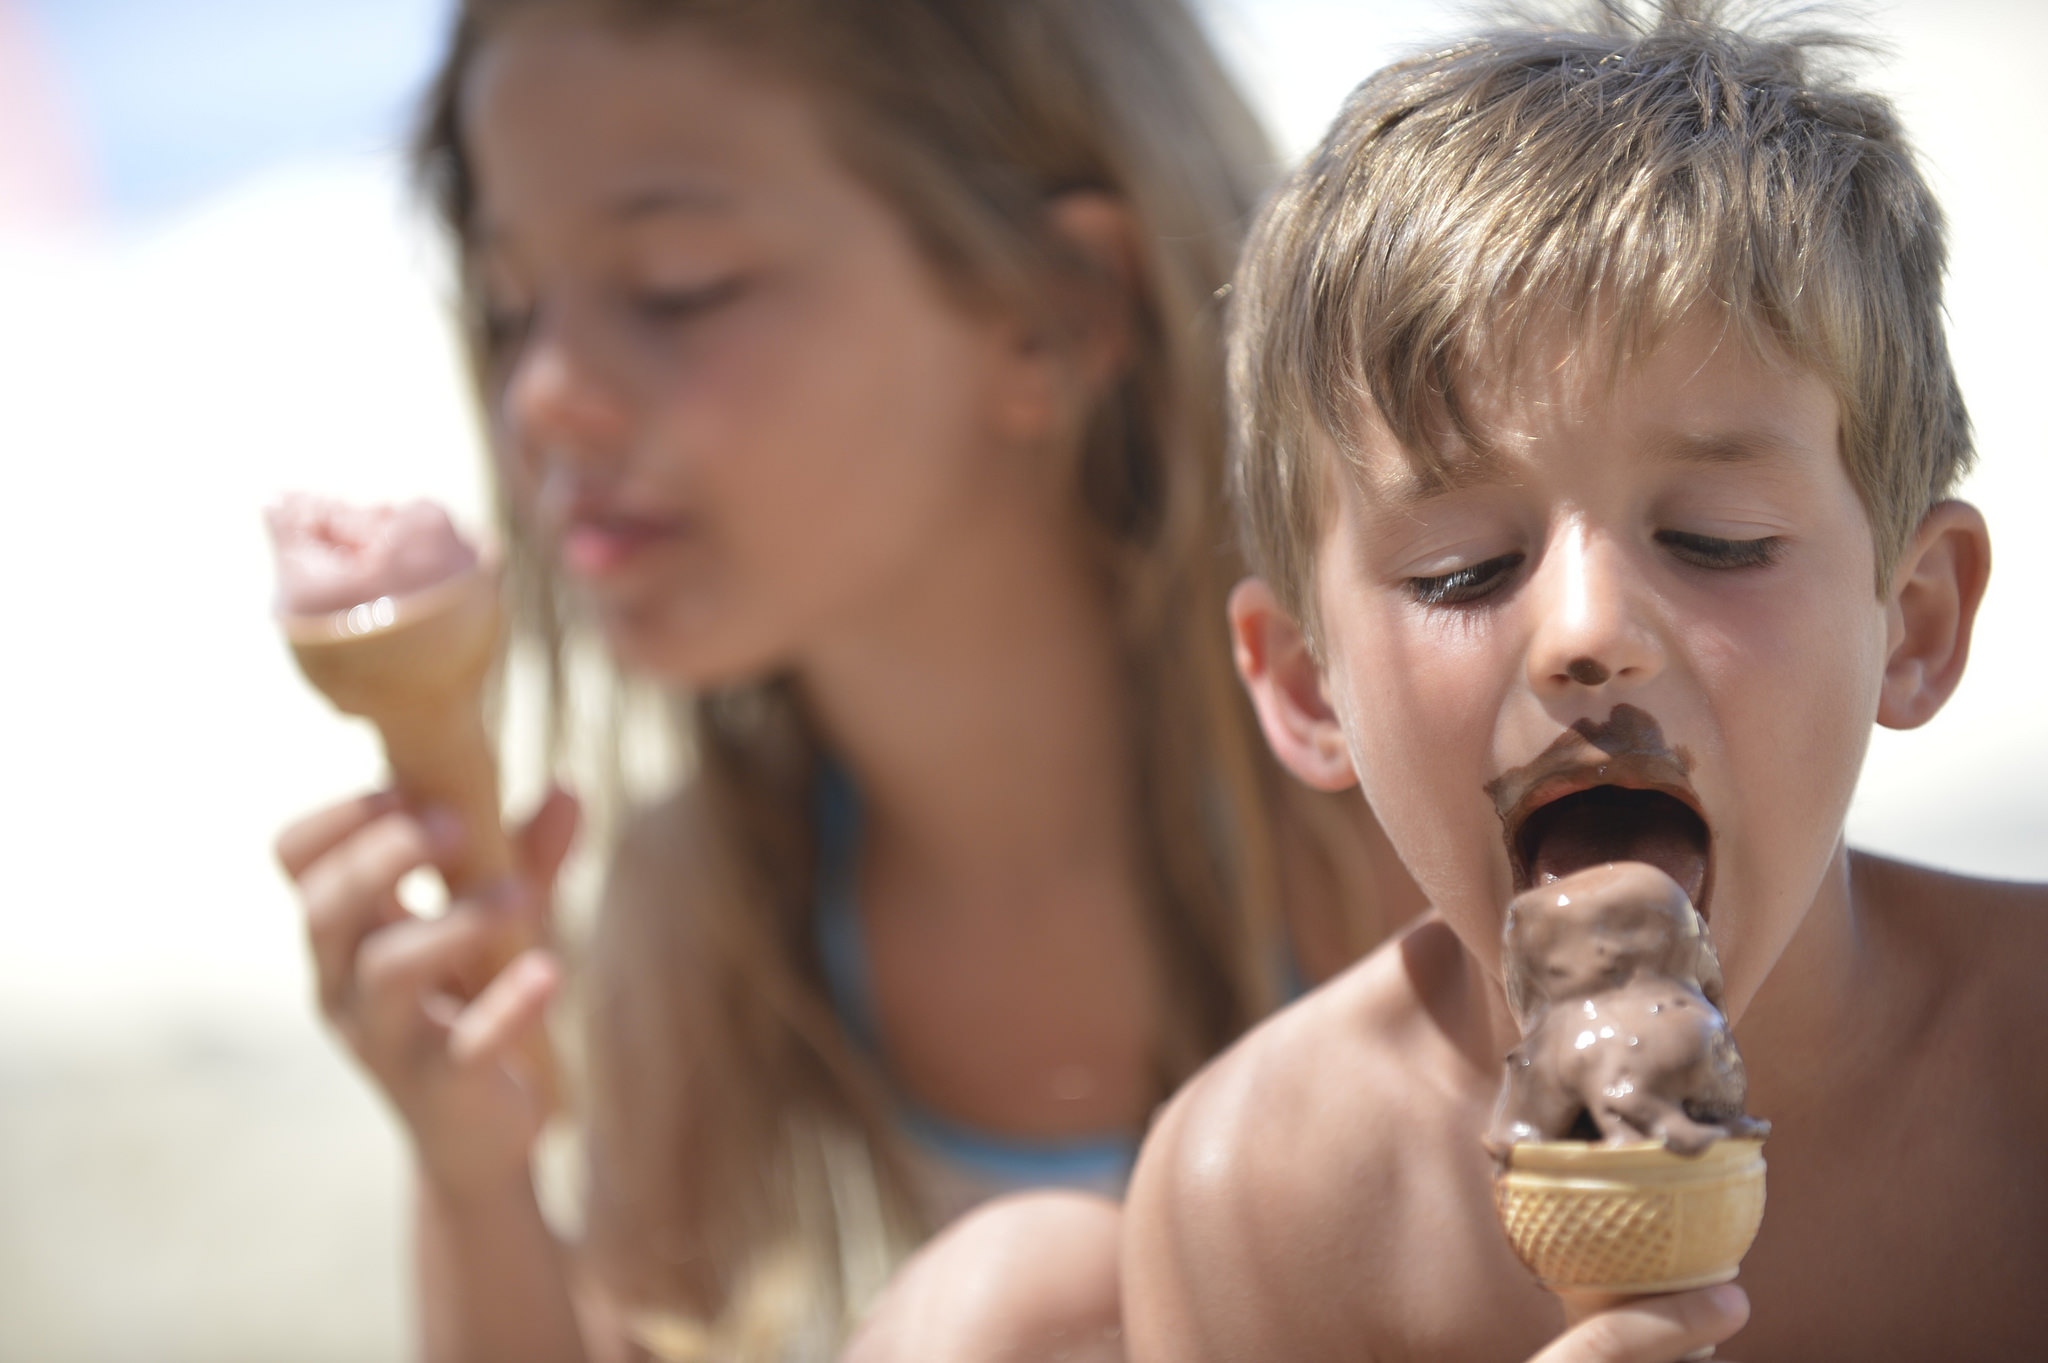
[
  {"x": 1910, "y": 1247},
  {"x": 1908, "y": 1213},
  {"x": 1930, "y": 1241}
]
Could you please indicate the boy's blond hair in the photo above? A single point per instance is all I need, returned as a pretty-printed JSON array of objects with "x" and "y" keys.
[{"x": 1626, "y": 166}]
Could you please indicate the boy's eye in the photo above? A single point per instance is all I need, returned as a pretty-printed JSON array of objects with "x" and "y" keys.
[
  {"x": 1711, "y": 551},
  {"x": 1463, "y": 585}
]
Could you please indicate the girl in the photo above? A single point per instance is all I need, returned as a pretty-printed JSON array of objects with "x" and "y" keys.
[{"x": 853, "y": 376}]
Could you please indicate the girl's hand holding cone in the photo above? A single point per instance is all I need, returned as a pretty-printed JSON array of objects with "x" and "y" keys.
[{"x": 392, "y": 983}]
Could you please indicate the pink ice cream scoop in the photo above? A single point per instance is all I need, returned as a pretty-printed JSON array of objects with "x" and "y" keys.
[{"x": 332, "y": 556}]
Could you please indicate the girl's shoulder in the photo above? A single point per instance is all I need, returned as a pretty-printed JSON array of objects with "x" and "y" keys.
[
  {"x": 658, "y": 880},
  {"x": 662, "y": 836}
]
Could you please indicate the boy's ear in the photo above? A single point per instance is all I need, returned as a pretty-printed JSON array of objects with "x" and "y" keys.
[
  {"x": 1286, "y": 686},
  {"x": 1936, "y": 590}
]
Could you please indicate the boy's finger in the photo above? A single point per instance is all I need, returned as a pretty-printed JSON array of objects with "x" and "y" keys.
[
  {"x": 314, "y": 836},
  {"x": 506, "y": 1010},
  {"x": 1653, "y": 1329}
]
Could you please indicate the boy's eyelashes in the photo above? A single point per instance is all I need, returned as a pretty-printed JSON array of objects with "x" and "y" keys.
[
  {"x": 1477, "y": 581},
  {"x": 1712, "y": 551},
  {"x": 1461, "y": 586}
]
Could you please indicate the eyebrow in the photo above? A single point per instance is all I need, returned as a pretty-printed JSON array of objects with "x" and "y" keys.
[
  {"x": 1717, "y": 448},
  {"x": 1422, "y": 480},
  {"x": 638, "y": 204},
  {"x": 659, "y": 200}
]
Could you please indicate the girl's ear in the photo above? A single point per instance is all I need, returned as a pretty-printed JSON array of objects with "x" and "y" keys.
[
  {"x": 1932, "y": 609},
  {"x": 1286, "y": 685},
  {"x": 1080, "y": 338},
  {"x": 1098, "y": 307}
]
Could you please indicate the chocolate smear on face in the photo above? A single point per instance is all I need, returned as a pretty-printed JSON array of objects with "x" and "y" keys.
[{"x": 1604, "y": 791}]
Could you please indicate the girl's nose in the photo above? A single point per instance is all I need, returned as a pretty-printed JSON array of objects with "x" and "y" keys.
[
  {"x": 557, "y": 400},
  {"x": 1594, "y": 629}
]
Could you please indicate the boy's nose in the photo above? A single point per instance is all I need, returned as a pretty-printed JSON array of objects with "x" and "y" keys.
[{"x": 1592, "y": 629}]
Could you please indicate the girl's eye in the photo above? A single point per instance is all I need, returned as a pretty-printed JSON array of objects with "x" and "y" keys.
[
  {"x": 1710, "y": 551},
  {"x": 504, "y": 327},
  {"x": 679, "y": 305},
  {"x": 1463, "y": 585}
]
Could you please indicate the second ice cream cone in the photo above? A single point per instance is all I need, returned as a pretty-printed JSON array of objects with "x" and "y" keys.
[{"x": 415, "y": 667}]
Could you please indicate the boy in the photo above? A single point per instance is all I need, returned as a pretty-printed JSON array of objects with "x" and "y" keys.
[{"x": 1596, "y": 431}]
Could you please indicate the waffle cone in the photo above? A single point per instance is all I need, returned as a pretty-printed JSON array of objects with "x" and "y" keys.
[
  {"x": 415, "y": 667},
  {"x": 1631, "y": 1220}
]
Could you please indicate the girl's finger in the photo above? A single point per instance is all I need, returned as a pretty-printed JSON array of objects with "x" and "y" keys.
[
  {"x": 399, "y": 967},
  {"x": 508, "y": 1008},
  {"x": 353, "y": 891},
  {"x": 314, "y": 836},
  {"x": 1653, "y": 1329},
  {"x": 545, "y": 840}
]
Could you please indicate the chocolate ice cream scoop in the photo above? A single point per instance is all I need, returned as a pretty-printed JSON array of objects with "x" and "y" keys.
[{"x": 1616, "y": 987}]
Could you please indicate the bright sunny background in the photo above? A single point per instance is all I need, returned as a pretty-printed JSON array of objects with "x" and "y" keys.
[{"x": 213, "y": 288}]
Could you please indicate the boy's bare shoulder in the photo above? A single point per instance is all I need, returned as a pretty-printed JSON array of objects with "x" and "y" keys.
[
  {"x": 1330, "y": 1145},
  {"x": 1979, "y": 933},
  {"x": 1331, "y": 1055},
  {"x": 1983, "y": 942}
]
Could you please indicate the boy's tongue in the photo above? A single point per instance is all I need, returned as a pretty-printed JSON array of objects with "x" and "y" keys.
[{"x": 1609, "y": 824}]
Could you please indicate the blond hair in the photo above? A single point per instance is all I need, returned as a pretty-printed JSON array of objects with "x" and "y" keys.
[
  {"x": 1633, "y": 165},
  {"x": 753, "y": 1194}
]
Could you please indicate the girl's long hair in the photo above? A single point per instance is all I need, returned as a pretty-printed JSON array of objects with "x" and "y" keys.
[{"x": 763, "y": 1195}]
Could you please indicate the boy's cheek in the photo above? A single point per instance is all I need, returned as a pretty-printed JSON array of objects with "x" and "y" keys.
[{"x": 1418, "y": 726}]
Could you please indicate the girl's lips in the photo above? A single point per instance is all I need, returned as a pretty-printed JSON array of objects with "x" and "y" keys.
[{"x": 602, "y": 547}]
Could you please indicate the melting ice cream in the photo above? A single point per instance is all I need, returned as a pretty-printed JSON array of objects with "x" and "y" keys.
[{"x": 1617, "y": 990}]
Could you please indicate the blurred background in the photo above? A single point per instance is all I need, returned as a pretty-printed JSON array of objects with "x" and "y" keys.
[{"x": 213, "y": 287}]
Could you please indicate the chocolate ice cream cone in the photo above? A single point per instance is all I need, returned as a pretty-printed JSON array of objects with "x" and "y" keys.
[
  {"x": 1599, "y": 1224},
  {"x": 1631, "y": 1220},
  {"x": 415, "y": 666}
]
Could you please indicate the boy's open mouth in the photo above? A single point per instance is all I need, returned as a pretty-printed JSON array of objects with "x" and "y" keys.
[
  {"x": 1601, "y": 793},
  {"x": 1606, "y": 823}
]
